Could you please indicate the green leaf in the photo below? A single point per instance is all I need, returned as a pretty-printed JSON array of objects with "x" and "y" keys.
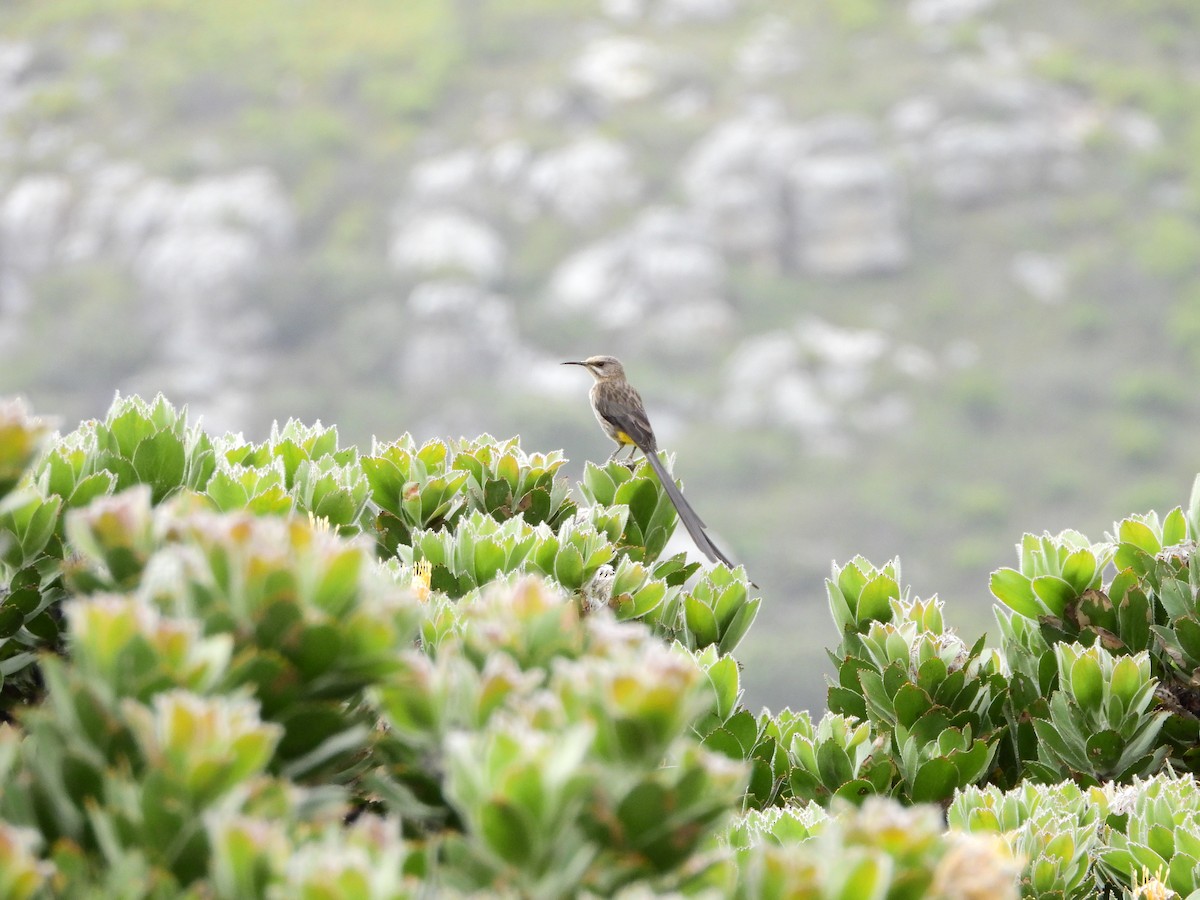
[
  {"x": 641, "y": 496},
  {"x": 674, "y": 570},
  {"x": 16, "y": 663},
  {"x": 1174, "y": 529},
  {"x": 318, "y": 650},
  {"x": 508, "y": 469},
  {"x": 973, "y": 763},
  {"x": 568, "y": 568},
  {"x": 433, "y": 454},
  {"x": 878, "y": 701},
  {"x": 724, "y": 677},
  {"x": 274, "y": 501},
  {"x": 505, "y": 831},
  {"x": 27, "y": 599},
  {"x": 44, "y": 627},
  {"x": 724, "y": 742},
  {"x": 833, "y": 765},
  {"x": 598, "y": 485},
  {"x": 1079, "y": 568},
  {"x": 122, "y": 434},
  {"x": 642, "y": 601},
  {"x": 536, "y": 506},
  {"x": 910, "y": 704},
  {"x": 307, "y": 725},
  {"x": 88, "y": 489},
  {"x": 1104, "y": 751},
  {"x": 442, "y": 580},
  {"x": 11, "y": 620},
  {"x": 1130, "y": 556},
  {"x": 729, "y": 600},
  {"x": 1131, "y": 531},
  {"x": 845, "y": 702},
  {"x": 1052, "y": 745},
  {"x": 62, "y": 468},
  {"x": 226, "y": 492},
  {"x": 643, "y": 811},
  {"x": 741, "y": 623},
  {"x": 850, "y": 582},
  {"x": 1126, "y": 680},
  {"x": 932, "y": 678},
  {"x": 700, "y": 621},
  {"x": 30, "y": 522},
  {"x": 762, "y": 788},
  {"x": 745, "y": 728},
  {"x": 1015, "y": 591},
  {"x": 350, "y": 741},
  {"x": 1187, "y": 630},
  {"x": 497, "y": 495},
  {"x": 936, "y": 781},
  {"x": 857, "y": 790},
  {"x": 1087, "y": 683},
  {"x": 867, "y": 879},
  {"x": 160, "y": 461},
  {"x": 1055, "y": 592},
  {"x": 1147, "y": 859},
  {"x": 337, "y": 506},
  {"x": 489, "y": 559},
  {"x": 875, "y": 601}
]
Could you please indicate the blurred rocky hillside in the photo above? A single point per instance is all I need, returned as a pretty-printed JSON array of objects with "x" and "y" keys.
[{"x": 894, "y": 277}]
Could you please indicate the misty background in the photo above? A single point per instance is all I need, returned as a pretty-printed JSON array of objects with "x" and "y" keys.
[{"x": 894, "y": 278}]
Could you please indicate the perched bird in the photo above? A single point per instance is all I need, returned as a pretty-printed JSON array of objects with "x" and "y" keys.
[{"x": 620, "y": 412}]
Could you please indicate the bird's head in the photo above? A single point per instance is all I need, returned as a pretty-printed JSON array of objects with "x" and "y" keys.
[{"x": 601, "y": 367}]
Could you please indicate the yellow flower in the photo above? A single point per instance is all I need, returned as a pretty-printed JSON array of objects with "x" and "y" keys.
[
  {"x": 1151, "y": 888},
  {"x": 422, "y": 573}
]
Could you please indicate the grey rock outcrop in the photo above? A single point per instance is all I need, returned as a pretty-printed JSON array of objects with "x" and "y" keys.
[
  {"x": 669, "y": 12},
  {"x": 1000, "y": 132},
  {"x": 465, "y": 329},
  {"x": 827, "y": 384},
  {"x": 972, "y": 161},
  {"x": 584, "y": 180},
  {"x": 848, "y": 208},
  {"x": 191, "y": 247},
  {"x": 117, "y": 211},
  {"x": 771, "y": 49},
  {"x": 821, "y": 197},
  {"x": 735, "y": 179},
  {"x": 443, "y": 240},
  {"x": 664, "y": 262},
  {"x": 34, "y": 216},
  {"x": 451, "y": 195},
  {"x": 619, "y": 69},
  {"x": 1040, "y": 275},
  {"x": 16, "y": 62},
  {"x": 946, "y": 12},
  {"x": 205, "y": 239}
]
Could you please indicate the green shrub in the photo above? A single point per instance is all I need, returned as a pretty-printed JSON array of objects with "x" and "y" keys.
[{"x": 289, "y": 668}]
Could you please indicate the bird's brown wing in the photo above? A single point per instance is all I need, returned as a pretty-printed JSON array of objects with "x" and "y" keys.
[{"x": 621, "y": 407}]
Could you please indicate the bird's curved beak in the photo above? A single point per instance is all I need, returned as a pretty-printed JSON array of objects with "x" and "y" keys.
[{"x": 574, "y": 362}]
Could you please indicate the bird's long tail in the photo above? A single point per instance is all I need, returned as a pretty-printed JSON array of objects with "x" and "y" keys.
[{"x": 692, "y": 522}]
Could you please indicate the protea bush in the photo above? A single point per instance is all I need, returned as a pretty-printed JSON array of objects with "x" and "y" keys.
[{"x": 298, "y": 669}]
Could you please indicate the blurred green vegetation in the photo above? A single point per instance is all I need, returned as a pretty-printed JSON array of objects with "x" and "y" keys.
[
  {"x": 296, "y": 80},
  {"x": 1071, "y": 413}
]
